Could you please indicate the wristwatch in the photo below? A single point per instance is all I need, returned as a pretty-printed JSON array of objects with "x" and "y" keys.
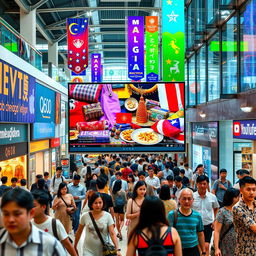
[{"x": 118, "y": 250}]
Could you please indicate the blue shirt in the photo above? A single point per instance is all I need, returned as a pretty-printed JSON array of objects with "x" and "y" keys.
[
  {"x": 78, "y": 190},
  {"x": 187, "y": 227}
]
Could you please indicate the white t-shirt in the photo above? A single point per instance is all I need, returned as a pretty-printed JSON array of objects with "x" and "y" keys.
[{"x": 47, "y": 227}]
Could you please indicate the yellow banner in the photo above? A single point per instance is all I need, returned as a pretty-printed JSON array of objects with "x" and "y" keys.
[{"x": 38, "y": 145}]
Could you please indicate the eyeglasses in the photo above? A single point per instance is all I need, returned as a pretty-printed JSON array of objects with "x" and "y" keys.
[{"x": 186, "y": 199}]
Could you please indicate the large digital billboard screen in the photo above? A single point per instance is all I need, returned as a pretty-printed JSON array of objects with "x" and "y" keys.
[{"x": 126, "y": 117}]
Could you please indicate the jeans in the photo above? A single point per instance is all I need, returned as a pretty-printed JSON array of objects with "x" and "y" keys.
[
  {"x": 191, "y": 251},
  {"x": 76, "y": 216}
]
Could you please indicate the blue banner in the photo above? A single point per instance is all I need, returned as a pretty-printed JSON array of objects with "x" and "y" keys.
[
  {"x": 45, "y": 104},
  {"x": 43, "y": 130},
  {"x": 17, "y": 95},
  {"x": 96, "y": 67},
  {"x": 244, "y": 129}
]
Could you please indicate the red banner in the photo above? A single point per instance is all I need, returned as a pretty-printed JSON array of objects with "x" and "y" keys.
[{"x": 77, "y": 31}]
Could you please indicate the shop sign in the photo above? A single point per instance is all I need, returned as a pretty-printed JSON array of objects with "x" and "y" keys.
[
  {"x": 17, "y": 95},
  {"x": 57, "y": 108},
  {"x": 244, "y": 129},
  {"x": 45, "y": 105},
  {"x": 38, "y": 146},
  {"x": 13, "y": 150},
  {"x": 43, "y": 130},
  {"x": 96, "y": 67},
  {"x": 55, "y": 142},
  {"x": 13, "y": 133},
  {"x": 205, "y": 132}
]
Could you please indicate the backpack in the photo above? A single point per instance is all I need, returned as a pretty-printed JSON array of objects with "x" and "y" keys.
[
  {"x": 54, "y": 177},
  {"x": 119, "y": 201}
]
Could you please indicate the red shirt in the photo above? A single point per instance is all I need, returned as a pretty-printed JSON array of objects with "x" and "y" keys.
[{"x": 125, "y": 172}]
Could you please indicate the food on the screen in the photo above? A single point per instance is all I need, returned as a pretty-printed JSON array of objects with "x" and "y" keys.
[
  {"x": 73, "y": 134},
  {"x": 148, "y": 137},
  {"x": 127, "y": 134},
  {"x": 131, "y": 104}
]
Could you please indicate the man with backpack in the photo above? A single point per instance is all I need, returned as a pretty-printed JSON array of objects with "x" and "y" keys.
[
  {"x": 56, "y": 180},
  {"x": 220, "y": 186},
  {"x": 49, "y": 224}
]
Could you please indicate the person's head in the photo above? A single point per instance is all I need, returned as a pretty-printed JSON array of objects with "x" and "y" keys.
[
  {"x": 92, "y": 185},
  {"x": 164, "y": 182},
  {"x": 140, "y": 161},
  {"x": 62, "y": 190},
  {"x": 96, "y": 165},
  {"x": 223, "y": 173},
  {"x": 150, "y": 172},
  {"x": 23, "y": 182},
  {"x": 96, "y": 202},
  {"x": 76, "y": 179},
  {"x": 182, "y": 172},
  {"x": 170, "y": 180},
  {"x": 41, "y": 201},
  {"x": 145, "y": 167},
  {"x": 178, "y": 181},
  {"x": 130, "y": 178},
  {"x": 202, "y": 182},
  {"x": 165, "y": 193},
  {"x": 94, "y": 176},
  {"x": 102, "y": 171},
  {"x": 152, "y": 215},
  {"x": 101, "y": 183},
  {"x": 38, "y": 177},
  {"x": 125, "y": 164},
  {"x": 231, "y": 197},
  {"x": 17, "y": 211},
  {"x": 186, "y": 166},
  {"x": 160, "y": 174},
  {"x": 142, "y": 176},
  {"x": 139, "y": 189},
  {"x": 14, "y": 181},
  {"x": 243, "y": 173},
  {"x": 186, "y": 198},
  {"x": 248, "y": 188},
  {"x": 200, "y": 169},
  {"x": 117, "y": 168},
  {"x": 4, "y": 179},
  {"x": 118, "y": 175},
  {"x": 117, "y": 186},
  {"x": 41, "y": 183},
  {"x": 46, "y": 175},
  {"x": 58, "y": 171}
]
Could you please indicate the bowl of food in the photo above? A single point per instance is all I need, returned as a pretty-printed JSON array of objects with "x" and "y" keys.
[
  {"x": 131, "y": 104},
  {"x": 146, "y": 136},
  {"x": 73, "y": 134},
  {"x": 126, "y": 135}
]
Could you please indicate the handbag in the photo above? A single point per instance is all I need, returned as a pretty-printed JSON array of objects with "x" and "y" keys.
[
  {"x": 110, "y": 105},
  {"x": 212, "y": 252},
  {"x": 70, "y": 209},
  {"x": 92, "y": 111},
  {"x": 108, "y": 248}
]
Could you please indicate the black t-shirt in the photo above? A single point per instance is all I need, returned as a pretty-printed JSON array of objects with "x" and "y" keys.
[
  {"x": 185, "y": 181},
  {"x": 108, "y": 201}
]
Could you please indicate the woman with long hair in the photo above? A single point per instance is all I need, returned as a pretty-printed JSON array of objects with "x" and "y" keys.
[
  {"x": 134, "y": 204},
  {"x": 91, "y": 189},
  {"x": 165, "y": 196},
  {"x": 119, "y": 200},
  {"x": 92, "y": 245},
  {"x": 130, "y": 181},
  {"x": 153, "y": 228},
  {"x": 61, "y": 202},
  {"x": 88, "y": 177},
  {"x": 224, "y": 233}
]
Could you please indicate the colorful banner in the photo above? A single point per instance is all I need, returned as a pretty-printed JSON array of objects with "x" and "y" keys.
[
  {"x": 135, "y": 47},
  {"x": 96, "y": 67},
  {"x": 173, "y": 40},
  {"x": 152, "y": 48},
  {"x": 17, "y": 95},
  {"x": 77, "y": 32}
]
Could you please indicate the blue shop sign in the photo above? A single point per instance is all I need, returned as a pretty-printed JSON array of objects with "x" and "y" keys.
[
  {"x": 244, "y": 129},
  {"x": 13, "y": 133},
  {"x": 43, "y": 130},
  {"x": 17, "y": 95},
  {"x": 45, "y": 104}
]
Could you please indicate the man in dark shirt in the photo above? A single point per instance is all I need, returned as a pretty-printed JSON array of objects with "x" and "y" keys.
[
  {"x": 4, "y": 180},
  {"x": 185, "y": 180},
  {"x": 34, "y": 186}
]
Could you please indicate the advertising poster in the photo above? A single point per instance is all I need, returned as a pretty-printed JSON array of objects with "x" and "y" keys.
[
  {"x": 136, "y": 117},
  {"x": 96, "y": 67},
  {"x": 17, "y": 95},
  {"x": 135, "y": 47},
  {"x": 173, "y": 40},
  {"x": 77, "y": 32}
]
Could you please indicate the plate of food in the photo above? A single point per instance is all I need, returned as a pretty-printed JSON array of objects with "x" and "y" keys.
[
  {"x": 146, "y": 136},
  {"x": 126, "y": 135},
  {"x": 131, "y": 104},
  {"x": 73, "y": 134}
]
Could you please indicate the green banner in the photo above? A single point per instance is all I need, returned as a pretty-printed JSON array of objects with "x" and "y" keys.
[
  {"x": 228, "y": 46},
  {"x": 173, "y": 40}
]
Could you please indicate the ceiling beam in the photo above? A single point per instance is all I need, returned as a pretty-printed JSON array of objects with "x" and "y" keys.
[
  {"x": 106, "y": 8},
  {"x": 38, "y": 4},
  {"x": 23, "y": 6}
]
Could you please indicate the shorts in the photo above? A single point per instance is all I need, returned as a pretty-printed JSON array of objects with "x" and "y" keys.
[
  {"x": 208, "y": 233},
  {"x": 194, "y": 251},
  {"x": 119, "y": 209}
]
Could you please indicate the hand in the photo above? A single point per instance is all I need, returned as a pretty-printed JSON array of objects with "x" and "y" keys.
[
  {"x": 119, "y": 253},
  {"x": 76, "y": 197},
  {"x": 213, "y": 225},
  {"x": 217, "y": 252},
  {"x": 222, "y": 186}
]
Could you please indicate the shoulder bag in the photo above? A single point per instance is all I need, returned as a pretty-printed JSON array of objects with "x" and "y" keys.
[
  {"x": 70, "y": 209},
  {"x": 108, "y": 248}
]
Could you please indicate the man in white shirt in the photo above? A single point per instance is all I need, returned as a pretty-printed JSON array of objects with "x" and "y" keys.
[
  {"x": 207, "y": 204},
  {"x": 188, "y": 172},
  {"x": 56, "y": 180},
  {"x": 47, "y": 224},
  {"x": 167, "y": 171},
  {"x": 152, "y": 180}
]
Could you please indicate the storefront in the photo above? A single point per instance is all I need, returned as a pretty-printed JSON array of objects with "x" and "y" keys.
[
  {"x": 55, "y": 154},
  {"x": 205, "y": 147}
]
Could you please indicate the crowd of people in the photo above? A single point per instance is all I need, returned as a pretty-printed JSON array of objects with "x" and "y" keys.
[{"x": 163, "y": 206}]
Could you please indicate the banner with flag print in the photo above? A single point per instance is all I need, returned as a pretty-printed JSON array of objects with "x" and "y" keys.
[{"x": 77, "y": 33}]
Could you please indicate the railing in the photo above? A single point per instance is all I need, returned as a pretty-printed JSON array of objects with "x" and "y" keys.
[{"x": 14, "y": 42}]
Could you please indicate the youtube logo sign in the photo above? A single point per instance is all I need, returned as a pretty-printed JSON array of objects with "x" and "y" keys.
[{"x": 236, "y": 128}]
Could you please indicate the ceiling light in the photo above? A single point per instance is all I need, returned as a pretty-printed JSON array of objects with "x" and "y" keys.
[
  {"x": 246, "y": 109},
  {"x": 202, "y": 114},
  {"x": 89, "y": 14}
]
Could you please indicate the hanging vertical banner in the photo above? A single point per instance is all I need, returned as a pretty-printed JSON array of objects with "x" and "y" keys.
[
  {"x": 152, "y": 48},
  {"x": 96, "y": 67},
  {"x": 173, "y": 40},
  {"x": 77, "y": 44},
  {"x": 135, "y": 47}
]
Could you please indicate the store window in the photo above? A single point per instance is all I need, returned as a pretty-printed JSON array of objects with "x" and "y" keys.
[
  {"x": 201, "y": 76},
  {"x": 192, "y": 81},
  {"x": 248, "y": 52},
  {"x": 229, "y": 56},
  {"x": 214, "y": 68},
  {"x": 212, "y": 6},
  {"x": 191, "y": 24},
  {"x": 201, "y": 15}
]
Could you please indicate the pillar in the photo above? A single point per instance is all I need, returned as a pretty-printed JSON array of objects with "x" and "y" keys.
[{"x": 53, "y": 54}]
